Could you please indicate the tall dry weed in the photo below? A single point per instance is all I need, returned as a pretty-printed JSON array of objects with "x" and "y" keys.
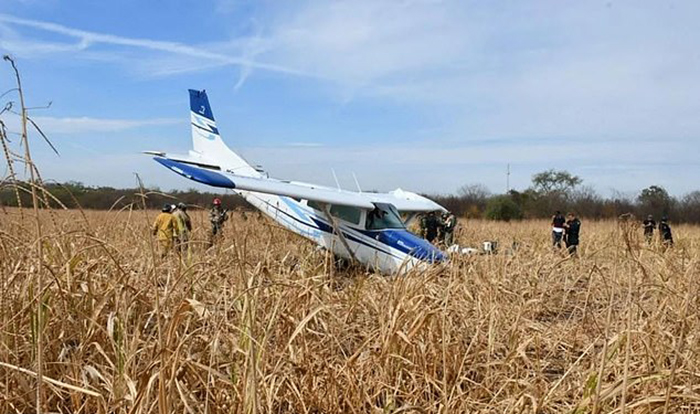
[{"x": 262, "y": 323}]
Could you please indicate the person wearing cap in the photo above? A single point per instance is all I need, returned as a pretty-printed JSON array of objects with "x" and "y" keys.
[
  {"x": 649, "y": 226},
  {"x": 217, "y": 216},
  {"x": 183, "y": 228},
  {"x": 164, "y": 228},
  {"x": 665, "y": 232}
]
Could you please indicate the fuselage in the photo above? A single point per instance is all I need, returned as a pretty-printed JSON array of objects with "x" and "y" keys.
[{"x": 389, "y": 250}]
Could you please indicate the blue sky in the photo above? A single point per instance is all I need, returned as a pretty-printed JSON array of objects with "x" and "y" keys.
[{"x": 426, "y": 95}]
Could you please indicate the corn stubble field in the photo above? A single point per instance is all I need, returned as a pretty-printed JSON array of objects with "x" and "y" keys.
[{"x": 264, "y": 322}]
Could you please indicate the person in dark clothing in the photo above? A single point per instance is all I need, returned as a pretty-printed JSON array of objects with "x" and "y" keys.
[
  {"x": 665, "y": 232},
  {"x": 429, "y": 226},
  {"x": 558, "y": 222},
  {"x": 649, "y": 226},
  {"x": 572, "y": 229}
]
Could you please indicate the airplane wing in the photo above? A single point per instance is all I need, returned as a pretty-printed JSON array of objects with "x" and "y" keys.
[
  {"x": 223, "y": 179},
  {"x": 200, "y": 171},
  {"x": 406, "y": 201}
]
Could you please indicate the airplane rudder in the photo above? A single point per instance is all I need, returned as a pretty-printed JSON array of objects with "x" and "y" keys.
[{"x": 199, "y": 104}]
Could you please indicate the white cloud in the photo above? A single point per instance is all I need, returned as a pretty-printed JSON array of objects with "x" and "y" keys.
[
  {"x": 363, "y": 41},
  {"x": 530, "y": 69},
  {"x": 87, "y": 39},
  {"x": 81, "y": 125},
  {"x": 539, "y": 69}
]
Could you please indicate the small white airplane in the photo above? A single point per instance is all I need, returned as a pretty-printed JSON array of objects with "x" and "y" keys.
[{"x": 362, "y": 227}]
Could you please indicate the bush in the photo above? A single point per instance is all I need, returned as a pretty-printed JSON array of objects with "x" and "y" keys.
[{"x": 503, "y": 208}]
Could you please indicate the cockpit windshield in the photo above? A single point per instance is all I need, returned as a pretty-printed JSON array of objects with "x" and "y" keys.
[{"x": 384, "y": 216}]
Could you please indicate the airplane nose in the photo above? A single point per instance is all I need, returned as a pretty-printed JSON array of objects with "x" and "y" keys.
[{"x": 413, "y": 245}]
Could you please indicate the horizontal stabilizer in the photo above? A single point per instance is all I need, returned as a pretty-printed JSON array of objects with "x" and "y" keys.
[{"x": 156, "y": 153}]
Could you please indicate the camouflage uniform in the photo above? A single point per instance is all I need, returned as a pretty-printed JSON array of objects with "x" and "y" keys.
[
  {"x": 184, "y": 227},
  {"x": 423, "y": 225},
  {"x": 217, "y": 217},
  {"x": 448, "y": 228}
]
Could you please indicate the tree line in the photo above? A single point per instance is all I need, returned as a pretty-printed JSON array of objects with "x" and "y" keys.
[
  {"x": 554, "y": 190},
  {"x": 550, "y": 191},
  {"x": 78, "y": 195}
]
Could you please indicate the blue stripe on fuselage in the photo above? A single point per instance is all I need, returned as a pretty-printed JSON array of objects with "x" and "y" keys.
[
  {"x": 401, "y": 240},
  {"x": 311, "y": 232},
  {"x": 329, "y": 229},
  {"x": 295, "y": 208},
  {"x": 322, "y": 226}
]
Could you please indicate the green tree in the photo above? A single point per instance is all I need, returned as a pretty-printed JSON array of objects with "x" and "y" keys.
[
  {"x": 551, "y": 190},
  {"x": 655, "y": 200},
  {"x": 554, "y": 182},
  {"x": 503, "y": 208}
]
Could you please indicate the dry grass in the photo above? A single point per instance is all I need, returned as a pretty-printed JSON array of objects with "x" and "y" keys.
[{"x": 264, "y": 323}]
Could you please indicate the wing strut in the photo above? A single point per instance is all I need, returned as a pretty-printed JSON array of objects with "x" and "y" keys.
[{"x": 336, "y": 230}]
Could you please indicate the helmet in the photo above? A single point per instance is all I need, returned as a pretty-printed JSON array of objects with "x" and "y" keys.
[
  {"x": 664, "y": 218},
  {"x": 182, "y": 206},
  {"x": 217, "y": 202},
  {"x": 166, "y": 208}
]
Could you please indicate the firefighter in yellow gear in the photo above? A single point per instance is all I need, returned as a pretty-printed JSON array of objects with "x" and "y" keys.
[
  {"x": 165, "y": 227},
  {"x": 183, "y": 228}
]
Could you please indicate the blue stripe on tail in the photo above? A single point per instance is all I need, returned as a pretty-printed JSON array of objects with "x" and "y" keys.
[{"x": 199, "y": 104}]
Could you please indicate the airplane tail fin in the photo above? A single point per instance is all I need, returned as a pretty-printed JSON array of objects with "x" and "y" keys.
[{"x": 206, "y": 140}]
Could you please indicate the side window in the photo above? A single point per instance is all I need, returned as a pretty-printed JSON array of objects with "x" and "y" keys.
[
  {"x": 314, "y": 205},
  {"x": 384, "y": 216},
  {"x": 347, "y": 213}
]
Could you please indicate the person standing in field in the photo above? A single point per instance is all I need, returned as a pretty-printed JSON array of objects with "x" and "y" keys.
[
  {"x": 665, "y": 232},
  {"x": 164, "y": 228},
  {"x": 423, "y": 225},
  {"x": 429, "y": 226},
  {"x": 572, "y": 227},
  {"x": 649, "y": 226},
  {"x": 217, "y": 216},
  {"x": 558, "y": 222},
  {"x": 184, "y": 227},
  {"x": 449, "y": 222}
]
